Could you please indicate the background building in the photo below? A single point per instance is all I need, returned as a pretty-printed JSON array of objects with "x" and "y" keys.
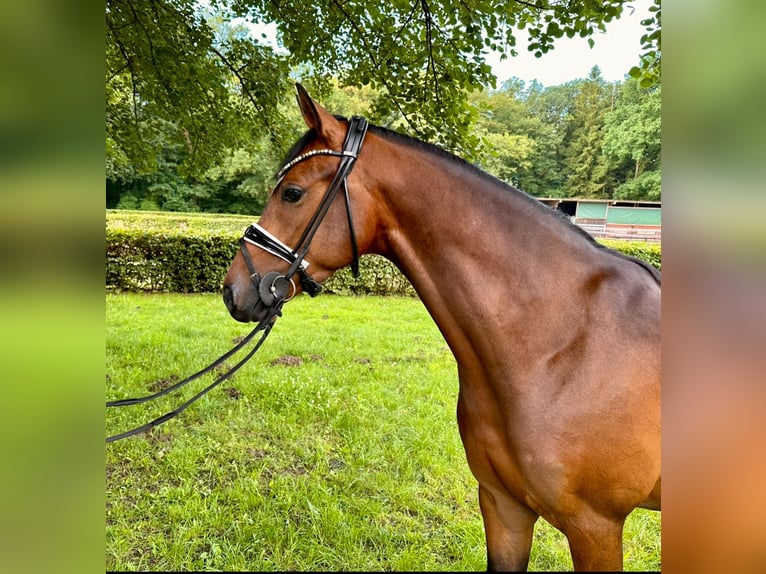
[{"x": 613, "y": 219}]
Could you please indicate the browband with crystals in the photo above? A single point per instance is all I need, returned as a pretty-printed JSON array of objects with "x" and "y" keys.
[{"x": 308, "y": 154}]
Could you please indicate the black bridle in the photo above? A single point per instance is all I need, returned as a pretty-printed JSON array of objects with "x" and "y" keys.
[
  {"x": 273, "y": 288},
  {"x": 273, "y": 284}
]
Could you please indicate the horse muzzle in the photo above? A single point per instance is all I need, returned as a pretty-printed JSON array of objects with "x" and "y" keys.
[
  {"x": 250, "y": 296},
  {"x": 252, "y": 301}
]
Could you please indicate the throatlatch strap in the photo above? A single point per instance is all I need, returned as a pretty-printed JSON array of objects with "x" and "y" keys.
[
  {"x": 354, "y": 248},
  {"x": 352, "y": 146}
]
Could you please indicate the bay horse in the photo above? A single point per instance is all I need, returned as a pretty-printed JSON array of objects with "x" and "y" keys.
[{"x": 556, "y": 338}]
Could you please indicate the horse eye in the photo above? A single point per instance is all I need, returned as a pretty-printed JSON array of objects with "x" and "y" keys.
[{"x": 292, "y": 194}]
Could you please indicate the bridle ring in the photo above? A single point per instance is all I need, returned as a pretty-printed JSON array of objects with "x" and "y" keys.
[{"x": 273, "y": 290}]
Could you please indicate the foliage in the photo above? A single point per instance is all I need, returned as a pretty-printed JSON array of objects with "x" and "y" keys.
[
  {"x": 334, "y": 449},
  {"x": 509, "y": 132},
  {"x": 190, "y": 253},
  {"x": 649, "y": 252},
  {"x": 648, "y": 70},
  {"x": 585, "y": 138},
  {"x": 181, "y": 74},
  {"x": 377, "y": 276},
  {"x": 632, "y": 142},
  {"x": 647, "y": 186},
  {"x": 178, "y": 76},
  {"x": 423, "y": 57},
  {"x": 509, "y": 155},
  {"x": 177, "y": 222},
  {"x": 583, "y": 159},
  {"x": 196, "y": 262},
  {"x": 243, "y": 180},
  {"x": 148, "y": 260}
]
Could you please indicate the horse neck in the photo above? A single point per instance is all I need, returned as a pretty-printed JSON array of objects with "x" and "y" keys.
[{"x": 480, "y": 255}]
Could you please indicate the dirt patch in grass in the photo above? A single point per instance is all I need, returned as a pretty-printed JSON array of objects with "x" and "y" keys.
[
  {"x": 162, "y": 384},
  {"x": 222, "y": 368},
  {"x": 296, "y": 469},
  {"x": 287, "y": 360},
  {"x": 257, "y": 454},
  {"x": 158, "y": 437}
]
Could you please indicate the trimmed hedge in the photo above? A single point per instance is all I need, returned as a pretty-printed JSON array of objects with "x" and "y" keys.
[
  {"x": 177, "y": 222},
  {"x": 648, "y": 251},
  {"x": 148, "y": 260},
  {"x": 138, "y": 260},
  {"x": 191, "y": 253},
  {"x": 377, "y": 276}
]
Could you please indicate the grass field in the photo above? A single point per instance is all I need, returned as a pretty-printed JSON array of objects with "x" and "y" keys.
[{"x": 335, "y": 448}]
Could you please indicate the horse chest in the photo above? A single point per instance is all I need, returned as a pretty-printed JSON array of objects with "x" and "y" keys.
[{"x": 503, "y": 458}]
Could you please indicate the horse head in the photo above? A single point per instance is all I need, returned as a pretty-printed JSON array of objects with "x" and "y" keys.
[{"x": 308, "y": 228}]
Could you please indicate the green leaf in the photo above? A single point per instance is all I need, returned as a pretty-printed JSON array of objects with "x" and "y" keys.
[{"x": 181, "y": 74}]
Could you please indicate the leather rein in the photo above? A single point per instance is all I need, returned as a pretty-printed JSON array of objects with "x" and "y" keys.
[{"x": 273, "y": 288}]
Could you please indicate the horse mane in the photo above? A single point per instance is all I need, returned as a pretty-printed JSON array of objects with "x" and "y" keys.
[{"x": 531, "y": 202}]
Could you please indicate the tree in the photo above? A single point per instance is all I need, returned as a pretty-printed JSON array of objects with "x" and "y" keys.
[
  {"x": 517, "y": 141},
  {"x": 583, "y": 158},
  {"x": 648, "y": 69},
  {"x": 241, "y": 184},
  {"x": 174, "y": 61},
  {"x": 509, "y": 156},
  {"x": 632, "y": 141},
  {"x": 167, "y": 61}
]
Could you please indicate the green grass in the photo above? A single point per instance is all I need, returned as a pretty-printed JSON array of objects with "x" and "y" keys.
[{"x": 335, "y": 448}]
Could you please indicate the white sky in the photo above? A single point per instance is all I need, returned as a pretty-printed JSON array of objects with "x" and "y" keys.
[{"x": 615, "y": 52}]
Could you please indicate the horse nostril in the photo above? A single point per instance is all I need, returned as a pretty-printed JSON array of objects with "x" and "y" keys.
[{"x": 228, "y": 298}]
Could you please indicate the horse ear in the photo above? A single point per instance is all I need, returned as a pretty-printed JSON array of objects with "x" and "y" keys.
[{"x": 319, "y": 119}]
